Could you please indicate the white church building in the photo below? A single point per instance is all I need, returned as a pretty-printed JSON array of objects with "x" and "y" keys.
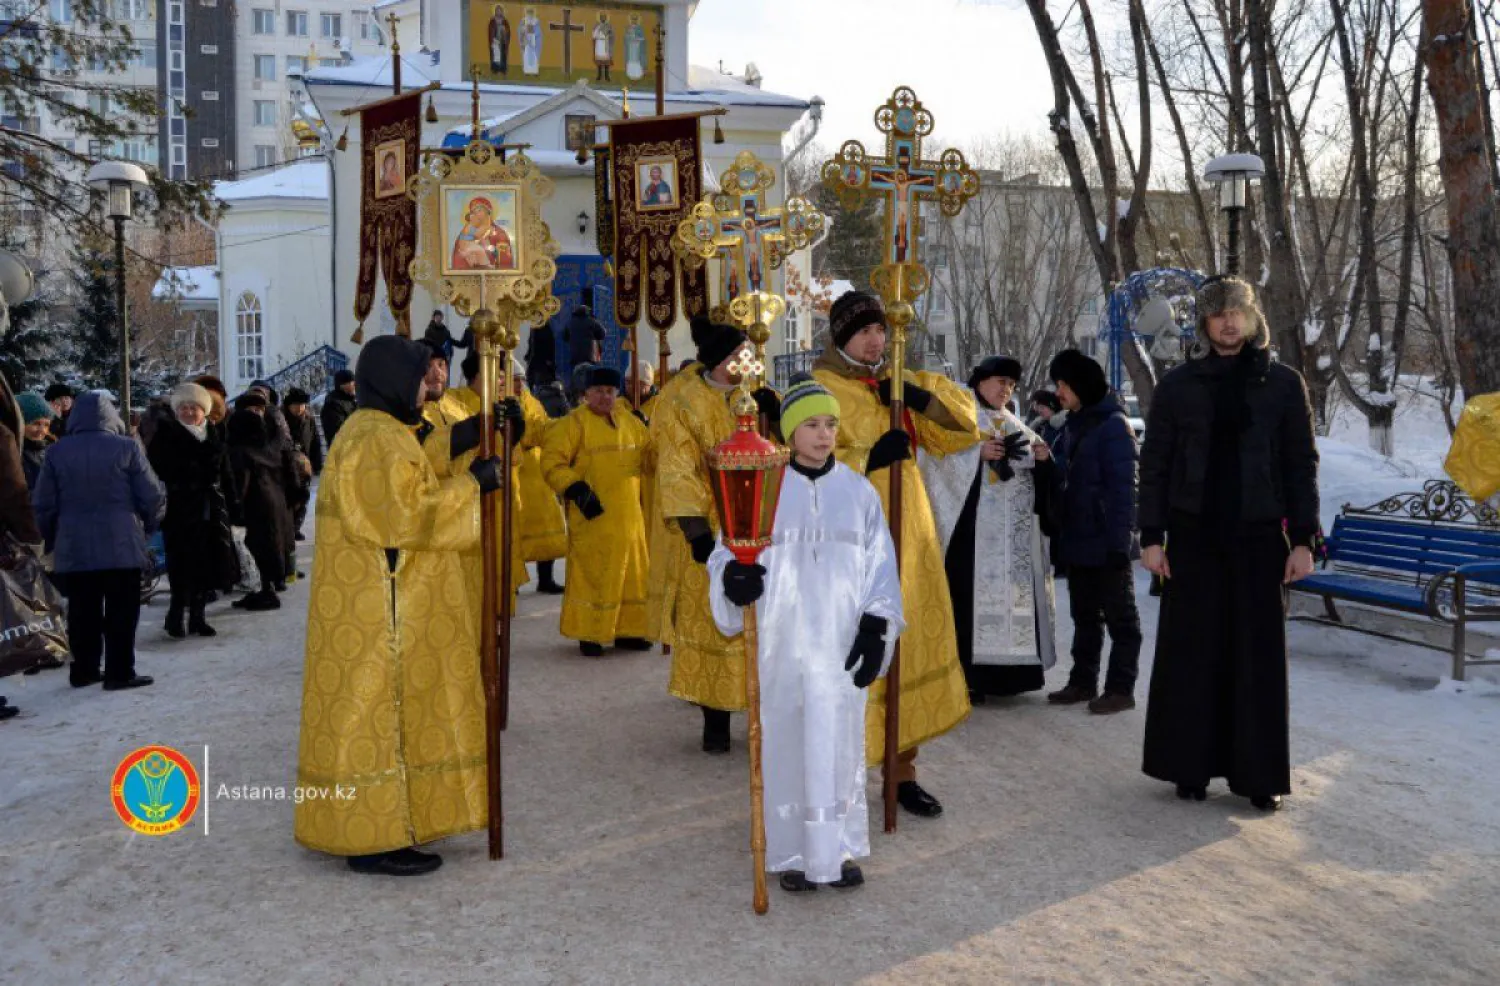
[{"x": 289, "y": 242}]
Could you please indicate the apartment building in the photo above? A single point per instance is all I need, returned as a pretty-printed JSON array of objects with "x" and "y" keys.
[{"x": 227, "y": 74}]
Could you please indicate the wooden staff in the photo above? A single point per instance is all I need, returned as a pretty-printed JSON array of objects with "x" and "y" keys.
[
  {"x": 899, "y": 313},
  {"x": 757, "y": 777},
  {"x": 508, "y": 341},
  {"x": 486, "y": 327}
]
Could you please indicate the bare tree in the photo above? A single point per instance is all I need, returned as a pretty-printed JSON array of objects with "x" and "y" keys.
[{"x": 1469, "y": 169}]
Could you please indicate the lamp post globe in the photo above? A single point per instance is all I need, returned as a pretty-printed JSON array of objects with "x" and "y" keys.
[
  {"x": 119, "y": 181},
  {"x": 1233, "y": 174}
]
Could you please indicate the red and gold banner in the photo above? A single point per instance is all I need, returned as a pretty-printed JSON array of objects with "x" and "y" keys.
[
  {"x": 390, "y": 140},
  {"x": 657, "y": 180}
]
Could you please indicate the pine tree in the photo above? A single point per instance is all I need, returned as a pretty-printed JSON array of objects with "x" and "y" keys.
[
  {"x": 33, "y": 354},
  {"x": 93, "y": 335},
  {"x": 853, "y": 247}
]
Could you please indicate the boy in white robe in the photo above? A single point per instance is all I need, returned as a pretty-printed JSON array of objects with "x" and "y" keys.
[{"x": 828, "y": 598}]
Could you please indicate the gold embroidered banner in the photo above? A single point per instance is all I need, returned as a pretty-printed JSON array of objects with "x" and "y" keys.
[
  {"x": 390, "y": 138},
  {"x": 656, "y": 169}
]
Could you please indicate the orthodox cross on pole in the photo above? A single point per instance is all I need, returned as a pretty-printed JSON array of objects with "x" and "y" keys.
[
  {"x": 750, "y": 239},
  {"x": 903, "y": 178},
  {"x": 568, "y": 29},
  {"x": 391, "y": 21},
  {"x": 737, "y": 226}
]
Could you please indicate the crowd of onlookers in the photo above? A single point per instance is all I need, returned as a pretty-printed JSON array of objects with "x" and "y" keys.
[{"x": 225, "y": 484}]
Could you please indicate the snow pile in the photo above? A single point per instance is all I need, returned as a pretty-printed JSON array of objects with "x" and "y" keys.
[{"x": 1354, "y": 474}]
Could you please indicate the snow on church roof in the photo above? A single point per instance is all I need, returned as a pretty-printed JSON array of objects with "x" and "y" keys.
[
  {"x": 705, "y": 86},
  {"x": 299, "y": 180}
]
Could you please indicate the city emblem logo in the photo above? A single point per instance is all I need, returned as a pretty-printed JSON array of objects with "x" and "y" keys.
[{"x": 155, "y": 790}]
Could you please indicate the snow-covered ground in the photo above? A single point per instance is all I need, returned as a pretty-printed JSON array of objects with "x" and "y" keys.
[
  {"x": 627, "y": 861},
  {"x": 1352, "y": 473}
]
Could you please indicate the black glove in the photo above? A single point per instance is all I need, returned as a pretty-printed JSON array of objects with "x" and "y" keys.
[
  {"x": 894, "y": 446},
  {"x": 585, "y": 499},
  {"x": 1117, "y": 560},
  {"x": 744, "y": 584},
  {"x": 489, "y": 473},
  {"x": 916, "y": 398},
  {"x": 510, "y": 410},
  {"x": 1017, "y": 446},
  {"x": 868, "y": 652},
  {"x": 463, "y": 437},
  {"x": 699, "y": 537},
  {"x": 1003, "y": 469},
  {"x": 767, "y": 403},
  {"x": 641, "y": 417}
]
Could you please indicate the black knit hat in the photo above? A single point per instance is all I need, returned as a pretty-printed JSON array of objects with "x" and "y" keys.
[
  {"x": 716, "y": 343},
  {"x": 851, "y": 312},
  {"x": 604, "y": 376},
  {"x": 297, "y": 395},
  {"x": 995, "y": 366},
  {"x": 1082, "y": 373},
  {"x": 1046, "y": 398},
  {"x": 58, "y": 390},
  {"x": 342, "y": 377}
]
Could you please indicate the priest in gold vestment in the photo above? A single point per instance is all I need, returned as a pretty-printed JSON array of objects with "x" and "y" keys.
[
  {"x": 446, "y": 407},
  {"x": 941, "y": 419},
  {"x": 593, "y": 459},
  {"x": 392, "y": 751},
  {"x": 692, "y": 415}
]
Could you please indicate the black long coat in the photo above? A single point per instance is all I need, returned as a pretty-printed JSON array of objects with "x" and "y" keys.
[
  {"x": 200, "y": 551},
  {"x": 265, "y": 485},
  {"x": 1229, "y": 459}
]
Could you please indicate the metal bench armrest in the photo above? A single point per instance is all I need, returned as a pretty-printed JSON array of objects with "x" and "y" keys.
[{"x": 1471, "y": 609}]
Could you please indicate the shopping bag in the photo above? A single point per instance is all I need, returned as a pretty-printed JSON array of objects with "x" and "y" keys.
[{"x": 33, "y": 632}]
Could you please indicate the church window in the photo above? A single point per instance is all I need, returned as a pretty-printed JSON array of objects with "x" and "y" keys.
[{"x": 250, "y": 360}]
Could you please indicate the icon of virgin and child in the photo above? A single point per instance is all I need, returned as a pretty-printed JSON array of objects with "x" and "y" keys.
[{"x": 482, "y": 243}]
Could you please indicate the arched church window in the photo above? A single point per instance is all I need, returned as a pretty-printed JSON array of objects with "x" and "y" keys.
[{"x": 250, "y": 358}]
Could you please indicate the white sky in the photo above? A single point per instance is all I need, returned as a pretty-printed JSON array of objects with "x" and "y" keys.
[{"x": 977, "y": 66}]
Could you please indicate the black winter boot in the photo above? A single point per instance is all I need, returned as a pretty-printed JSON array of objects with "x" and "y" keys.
[
  {"x": 197, "y": 622},
  {"x": 715, "y": 730},
  {"x": 174, "y": 622}
]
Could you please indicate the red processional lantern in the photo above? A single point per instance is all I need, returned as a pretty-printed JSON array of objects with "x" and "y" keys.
[{"x": 746, "y": 472}]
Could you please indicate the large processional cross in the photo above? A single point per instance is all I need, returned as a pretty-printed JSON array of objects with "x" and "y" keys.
[
  {"x": 904, "y": 180},
  {"x": 750, "y": 239}
]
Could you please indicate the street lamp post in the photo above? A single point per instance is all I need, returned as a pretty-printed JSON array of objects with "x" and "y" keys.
[
  {"x": 119, "y": 181},
  {"x": 1233, "y": 173}
]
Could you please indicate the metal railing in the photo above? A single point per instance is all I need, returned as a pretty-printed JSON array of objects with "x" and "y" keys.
[{"x": 312, "y": 373}]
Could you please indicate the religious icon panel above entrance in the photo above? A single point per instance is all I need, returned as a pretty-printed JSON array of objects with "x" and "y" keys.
[{"x": 555, "y": 43}]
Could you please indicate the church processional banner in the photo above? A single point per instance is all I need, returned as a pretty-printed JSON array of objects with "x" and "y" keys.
[
  {"x": 556, "y": 43},
  {"x": 390, "y": 139},
  {"x": 656, "y": 170}
]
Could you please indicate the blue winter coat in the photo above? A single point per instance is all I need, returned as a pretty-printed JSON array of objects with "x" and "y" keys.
[
  {"x": 97, "y": 498},
  {"x": 1096, "y": 486}
]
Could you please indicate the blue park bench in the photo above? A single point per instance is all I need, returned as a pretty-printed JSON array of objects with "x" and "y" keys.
[{"x": 1435, "y": 553}]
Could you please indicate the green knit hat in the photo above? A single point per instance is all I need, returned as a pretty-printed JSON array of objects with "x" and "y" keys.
[
  {"x": 34, "y": 408},
  {"x": 806, "y": 398}
]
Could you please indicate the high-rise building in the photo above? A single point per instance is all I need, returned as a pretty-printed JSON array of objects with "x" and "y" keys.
[{"x": 227, "y": 76}]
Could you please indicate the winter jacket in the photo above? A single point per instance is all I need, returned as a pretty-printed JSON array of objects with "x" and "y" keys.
[
  {"x": 337, "y": 407},
  {"x": 32, "y": 454},
  {"x": 305, "y": 439},
  {"x": 584, "y": 336},
  {"x": 541, "y": 356},
  {"x": 97, "y": 498},
  {"x": 265, "y": 487},
  {"x": 1053, "y": 431},
  {"x": 1278, "y": 474},
  {"x": 200, "y": 552},
  {"x": 1093, "y": 492}
]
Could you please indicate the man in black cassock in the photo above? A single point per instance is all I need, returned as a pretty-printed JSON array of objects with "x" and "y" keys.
[{"x": 1228, "y": 513}]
